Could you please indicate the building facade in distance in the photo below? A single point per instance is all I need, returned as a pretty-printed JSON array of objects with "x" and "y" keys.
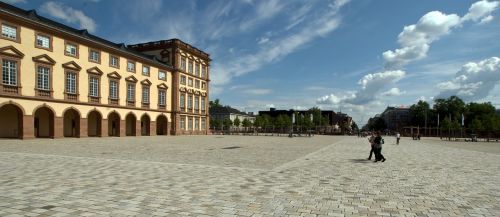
[
  {"x": 225, "y": 112},
  {"x": 58, "y": 81}
]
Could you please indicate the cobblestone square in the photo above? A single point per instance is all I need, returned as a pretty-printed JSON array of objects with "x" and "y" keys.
[{"x": 247, "y": 176}]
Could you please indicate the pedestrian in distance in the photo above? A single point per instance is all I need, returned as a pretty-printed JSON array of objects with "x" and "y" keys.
[
  {"x": 398, "y": 137},
  {"x": 371, "y": 141},
  {"x": 378, "y": 141}
]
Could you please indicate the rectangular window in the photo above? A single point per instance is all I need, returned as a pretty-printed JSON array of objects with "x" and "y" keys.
[
  {"x": 9, "y": 72},
  {"x": 9, "y": 31},
  {"x": 203, "y": 123},
  {"x": 183, "y": 122},
  {"x": 197, "y": 84},
  {"x": 145, "y": 94},
  {"x": 203, "y": 71},
  {"x": 162, "y": 97},
  {"x": 43, "y": 78},
  {"x": 162, "y": 75},
  {"x": 197, "y": 124},
  {"x": 130, "y": 66},
  {"x": 131, "y": 92},
  {"x": 95, "y": 56},
  {"x": 145, "y": 70},
  {"x": 71, "y": 82},
  {"x": 190, "y": 68},
  {"x": 190, "y": 123},
  {"x": 183, "y": 80},
  {"x": 71, "y": 49},
  {"x": 190, "y": 102},
  {"x": 203, "y": 106},
  {"x": 94, "y": 87},
  {"x": 113, "y": 89},
  {"x": 197, "y": 71},
  {"x": 182, "y": 100},
  {"x": 43, "y": 41},
  {"x": 190, "y": 82},
  {"x": 114, "y": 61},
  {"x": 183, "y": 63},
  {"x": 203, "y": 85},
  {"x": 196, "y": 102}
]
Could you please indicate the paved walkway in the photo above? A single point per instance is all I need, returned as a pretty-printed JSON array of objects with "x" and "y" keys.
[{"x": 329, "y": 176}]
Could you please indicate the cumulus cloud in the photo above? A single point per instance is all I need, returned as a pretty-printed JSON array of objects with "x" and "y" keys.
[
  {"x": 474, "y": 81},
  {"x": 416, "y": 39},
  {"x": 393, "y": 92},
  {"x": 68, "y": 14},
  {"x": 481, "y": 10},
  {"x": 372, "y": 85}
]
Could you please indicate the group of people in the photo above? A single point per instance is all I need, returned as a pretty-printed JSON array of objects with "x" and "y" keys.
[{"x": 376, "y": 142}]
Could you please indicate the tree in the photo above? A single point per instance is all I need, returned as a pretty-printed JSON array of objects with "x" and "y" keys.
[
  {"x": 419, "y": 112},
  {"x": 246, "y": 123},
  {"x": 214, "y": 104},
  {"x": 453, "y": 106},
  {"x": 215, "y": 123},
  {"x": 227, "y": 123},
  {"x": 476, "y": 125},
  {"x": 354, "y": 126},
  {"x": 236, "y": 122}
]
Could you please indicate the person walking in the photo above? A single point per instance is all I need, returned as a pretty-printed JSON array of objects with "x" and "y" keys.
[
  {"x": 398, "y": 137},
  {"x": 377, "y": 145},
  {"x": 371, "y": 141}
]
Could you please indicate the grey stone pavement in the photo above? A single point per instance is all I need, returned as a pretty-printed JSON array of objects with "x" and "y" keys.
[{"x": 247, "y": 176}]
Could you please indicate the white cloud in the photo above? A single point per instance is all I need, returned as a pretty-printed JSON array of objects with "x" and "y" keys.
[
  {"x": 264, "y": 11},
  {"x": 373, "y": 84},
  {"x": 68, "y": 14},
  {"x": 393, "y": 92},
  {"x": 481, "y": 10},
  {"x": 416, "y": 39},
  {"x": 474, "y": 81},
  {"x": 278, "y": 47}
]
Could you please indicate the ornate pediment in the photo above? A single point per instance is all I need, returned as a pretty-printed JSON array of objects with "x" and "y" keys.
[
  {"x": 131, "y": 79},
  {"x": 11, "y": 51},
  {"x": 197, "y": 92},
  {"x": 146, "y": 82},
  {"x": 190, "y": 90},
  {"x": 114, "y": 75},
  {"x": 203, "y": 93},
  {"x": 45, "y": 59},
  {"x": 94, "y": 70},
  {"x": 182, "y": 89},
  {"x": 72, "y": 65},
  {"x": 162, "y": 86}
]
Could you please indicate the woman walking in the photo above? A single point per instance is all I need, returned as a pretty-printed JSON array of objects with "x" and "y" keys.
[
  {"x": 372, "y": 143},
  {"x": 378, "y": 141}
]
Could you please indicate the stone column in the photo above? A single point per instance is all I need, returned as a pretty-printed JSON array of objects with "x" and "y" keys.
[
  {"x": 138, "y": 128},
  {"x": 58, "y": 127},
  {"x": 28, "y": 128},
  {"x": 123, "y": 128},
  {"x": 84, "y": 127},
  {"x": 152, "y": 128},
  {"x": 104, "y": 128}
]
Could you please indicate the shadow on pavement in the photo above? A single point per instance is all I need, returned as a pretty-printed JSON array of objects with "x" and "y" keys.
[{"x": 360, "y": 160}]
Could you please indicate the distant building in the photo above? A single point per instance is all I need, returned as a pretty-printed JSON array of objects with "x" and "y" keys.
[
  {"x": 396, "y": 118},
  {"x": 334, "y": 119},
  {"x": 223, "y": 112}
]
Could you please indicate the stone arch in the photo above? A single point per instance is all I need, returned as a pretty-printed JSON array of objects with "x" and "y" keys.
[
  {"x": 161, "y": 125},
  {"x": 71, "y": 122},
  {"x": 130, "y": 124},
  {"x": 114, "y": 124},
  {"x": 11, "y": 117},
  {"x": 43, "y": 121},
  {"x": 94, "y": 123},
  {"x": 145, "y": 125}
]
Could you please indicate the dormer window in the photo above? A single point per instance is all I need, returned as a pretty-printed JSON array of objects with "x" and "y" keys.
[{"x": 43, "y": 41}]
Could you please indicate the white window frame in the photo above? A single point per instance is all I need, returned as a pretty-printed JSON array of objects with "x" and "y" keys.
[
  {"x": 130, "y": 92},
  {"x": 70, "y": 48},
  {"x": 94, "y": 86},
  {"x": 9, "y": 72},
  {"x": 113, "y": 89},
  {"x": 43, "y": 78},
  {"x": 162, "y": 97},
  {"x": 145, "y": 94},
  {"x": 71, "y": 80},
  {"x": 160, "y": 73},
  {"x": 43, "y": 41},
  {"x": 8, "y": 30}
]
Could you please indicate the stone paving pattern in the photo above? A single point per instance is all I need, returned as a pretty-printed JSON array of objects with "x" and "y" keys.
[{"x": 246, "y": 176}]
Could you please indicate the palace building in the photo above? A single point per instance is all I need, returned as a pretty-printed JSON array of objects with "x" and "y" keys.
[{"x": 58, "y": 81}]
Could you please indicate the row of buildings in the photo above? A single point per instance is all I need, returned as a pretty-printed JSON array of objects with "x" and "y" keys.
[
  {"x": 395, "y": 118},
  {"x": 58, "y": 81}
]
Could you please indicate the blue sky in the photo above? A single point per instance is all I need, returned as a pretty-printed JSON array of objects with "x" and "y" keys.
[{"x": 358, "y": 56}]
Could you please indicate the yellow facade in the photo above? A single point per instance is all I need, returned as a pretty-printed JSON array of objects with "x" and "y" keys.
[{"x": 60, "y": 112}]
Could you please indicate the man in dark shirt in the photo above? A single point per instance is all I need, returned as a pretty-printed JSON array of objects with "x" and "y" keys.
[{"x": 378, "y": 141}]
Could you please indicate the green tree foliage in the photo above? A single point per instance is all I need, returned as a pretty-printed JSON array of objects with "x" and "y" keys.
[
  {"x": 453, "y": 106},
  {"x": 354, "y": 126},
  {"x": 227, "y": 123},
  {"x": 476, "y": 125},
  {"x": 214, "y": 104},
  {"x": 215, "y": 123},
  {"x": 419, "y": 112},
  {"x": 246, "y": 123},
  {"x": 236, "y": 122}
]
